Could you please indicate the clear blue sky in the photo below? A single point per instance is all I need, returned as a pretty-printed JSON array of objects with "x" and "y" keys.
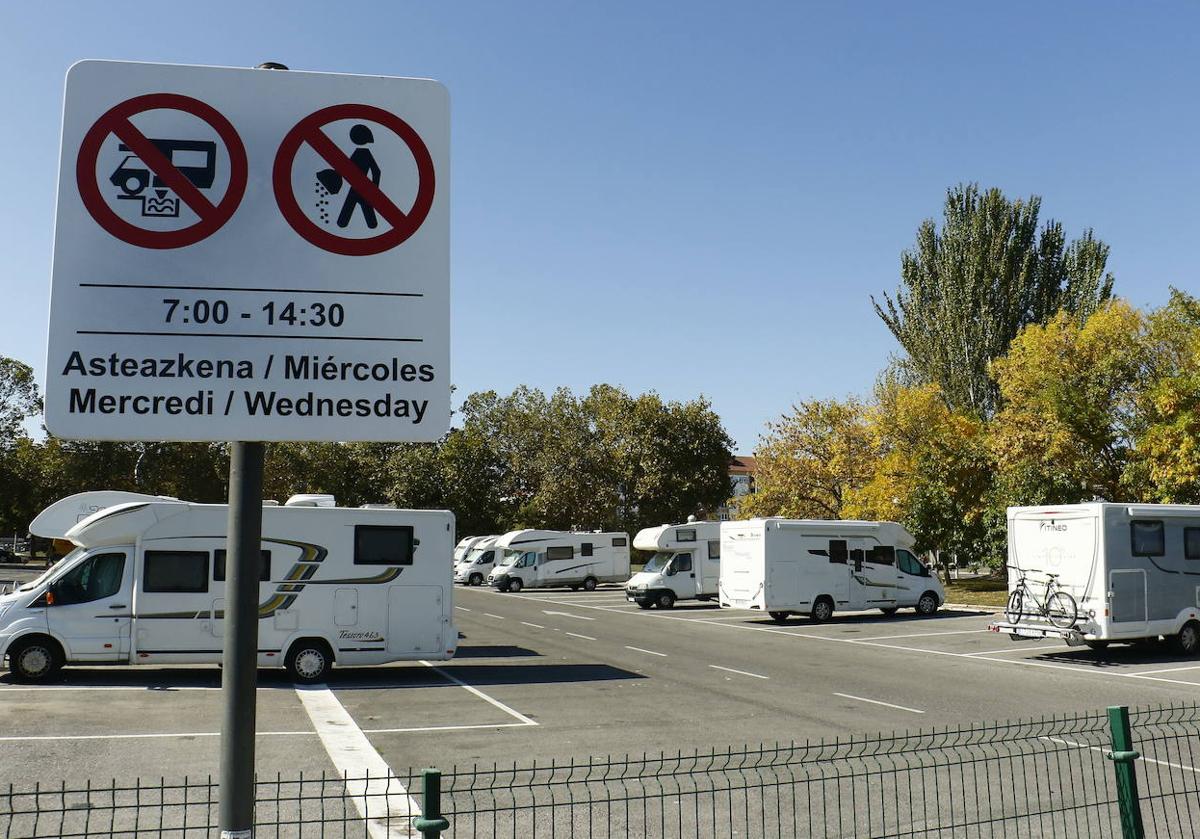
[{"x": 690, "y": 197}]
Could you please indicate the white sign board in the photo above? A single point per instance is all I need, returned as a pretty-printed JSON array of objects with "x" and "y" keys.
[{"x": 247, "y": 254}]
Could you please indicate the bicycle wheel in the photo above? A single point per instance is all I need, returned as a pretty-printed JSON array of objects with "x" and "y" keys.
[
  {"x": 1013, "y": 610},
  {"x": 1062, "y": 610}
]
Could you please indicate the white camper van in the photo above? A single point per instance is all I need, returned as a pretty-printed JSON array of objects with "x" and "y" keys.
[
  {"x": 465, "y": 545},
  {"x": 145, "y": 585},
  {"x": 477, "y": 563},
  {"x": 686, "y": 564},
  {"x": 812, "y": 567},
  {"x": 538, "y": 558},
  {"x": 1131, "y": 571}
]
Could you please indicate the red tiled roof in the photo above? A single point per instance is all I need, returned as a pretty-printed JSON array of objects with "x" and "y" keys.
[{"x": 743, "y": 464}]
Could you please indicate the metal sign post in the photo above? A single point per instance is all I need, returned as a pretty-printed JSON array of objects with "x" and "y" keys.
[{"x": 239, "y": 676}]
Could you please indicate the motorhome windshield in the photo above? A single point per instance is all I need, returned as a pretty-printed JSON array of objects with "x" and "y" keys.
[
  {"x": 69, "y": 559},
  {"x": 509, "y": 558},
  {"x": 473, "y": 556},
  {"x": 658, "y": 562}
]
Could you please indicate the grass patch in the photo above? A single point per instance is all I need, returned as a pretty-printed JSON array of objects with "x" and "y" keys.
[{"x": 981, "y": 591}]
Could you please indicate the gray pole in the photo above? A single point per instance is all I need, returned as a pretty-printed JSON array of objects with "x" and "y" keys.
[{"x": 239, "y": 675}]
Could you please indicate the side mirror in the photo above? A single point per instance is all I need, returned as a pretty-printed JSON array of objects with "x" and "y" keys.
[{"x": 670, "y": 572}]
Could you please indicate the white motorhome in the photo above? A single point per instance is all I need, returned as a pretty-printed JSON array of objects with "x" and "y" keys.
[
  {"x": 1133, "y": 571},
  {"x": 539, "y": 558},
  {"x": 146, "y": 585},
  {"x": 477, "y": 563},
  {"x": 686, "y": 564},
  {"x": 464, "y": 545},
  {"x": 813, "y": 567}
]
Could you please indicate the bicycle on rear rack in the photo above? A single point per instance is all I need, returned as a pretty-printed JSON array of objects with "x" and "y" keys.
[{"x": 1057, "y": 606}]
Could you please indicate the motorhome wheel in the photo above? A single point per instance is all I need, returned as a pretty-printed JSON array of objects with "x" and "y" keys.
[
  {"x": 515, "y": 584},
  {"x": 1187, "y": 642},
  {"x": 589, "y": 584},
  {"x": 779, "y": 617},
  {"x": 308, "y": 661},
  {"x": 1097, "y": 645},
  {"x": 928, "y": 604},
  {"x": 665, "y": 600},
  {"x": 476, "y": 579},
  {"x": 34, "y": 660},
  {"x": 822, "y": 610},
  {"x": 644, "y": 604},
  {"x": 889, "y": 611}
]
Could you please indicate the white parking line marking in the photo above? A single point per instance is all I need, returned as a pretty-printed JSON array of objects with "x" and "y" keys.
[
  {"x": 648, "y": 652},
  {"x": 567, "y": 615},
  {"x": 444, "y": 728},
  {"x": 922, "y": 635},
  {"x": 462, "y": 608},
  {"x": 584, "y": 637},
  {"x": 877, "y": 702},
  {"x": 640, "y": 614},
  {"x": 477, "y": 692},
  {"x": 354, "y": 757},
  {"x": 1039, "y": 649},
  {"x": 1168, "y": 670},
  {"x": 490, "y": 615},
  {"x": 1104, "y": 751},
  {"x": 534, "y": 625},
  {"x": 739, "y": 672},
  {"x": 31, "y": 737}
]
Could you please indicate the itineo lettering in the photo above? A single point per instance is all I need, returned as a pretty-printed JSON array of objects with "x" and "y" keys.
[{"x": 269, "y": 403}]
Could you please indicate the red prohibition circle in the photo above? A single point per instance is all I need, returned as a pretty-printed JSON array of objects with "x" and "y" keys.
[
  {"x": 116, "y": 121},
  {"x": 308, "y": 130}
]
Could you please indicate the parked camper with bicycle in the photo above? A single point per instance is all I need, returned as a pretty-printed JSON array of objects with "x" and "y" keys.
[{"x": 1101, "y": 573}]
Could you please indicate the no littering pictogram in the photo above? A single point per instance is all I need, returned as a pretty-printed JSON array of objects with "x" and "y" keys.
[
  {"x": 361, "y": 175},
  {"x": 150, "y": 163}
]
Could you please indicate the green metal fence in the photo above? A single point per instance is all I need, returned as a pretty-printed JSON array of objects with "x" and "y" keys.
[{"x": 1115, "y": 773}]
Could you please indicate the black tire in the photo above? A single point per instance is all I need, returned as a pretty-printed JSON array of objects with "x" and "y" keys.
[
  {"x": 1016, "y": 601},
  {"x": 928, "y": 604},
  {"x": 515, "y": 585},
  {"x": 644, "y": 604},
  {"x": 1187, "y": 642},
  {"x": 822, "y": 610},
  {"x": 502, "y": 587},
  {"x": 889, "y": 610},
  {"x": 476, "y": 580},
  {"x": 1097, "y": 645},
  {"x": 664, "y": 600},
  {"x": 589, "y": 584},
  {"x": 1062, "y": 610},
  {"x": 779, "y": 617},
  {"x": 309, "y": 661},
  {"x": 35, "y": 659}
]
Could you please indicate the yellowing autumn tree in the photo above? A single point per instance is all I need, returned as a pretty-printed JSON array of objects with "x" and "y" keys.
[
  {"x": 810, "y": 461},
  {"x": 1069, "y": 415}
]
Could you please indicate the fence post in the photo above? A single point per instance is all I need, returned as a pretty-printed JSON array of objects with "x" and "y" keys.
[
  {"x": 430, "y": 822},
  {"x": 1123, "y": 756}
]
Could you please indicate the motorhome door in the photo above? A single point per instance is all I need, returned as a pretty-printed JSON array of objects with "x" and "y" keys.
[
  {"x": 682, "y": 578},
  {"x": 872, "y": 580},
  {"x": 1127, "y": 598},
  {"x": 91, "y": 610}
]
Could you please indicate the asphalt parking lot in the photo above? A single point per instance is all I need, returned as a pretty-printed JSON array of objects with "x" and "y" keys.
[{"x": 555, "y": 674}]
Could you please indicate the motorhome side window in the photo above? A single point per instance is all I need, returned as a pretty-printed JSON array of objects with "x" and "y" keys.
[
  {"x": 264, "y": 571},
  {"x": 682, "y": 562},
  {"x": 686, "y": 535},
  {"x": 714, "y": 548},
  {"x": 882, "y": 555},
  {"x": 1147, "y": 538},
  {"x": 175, "y": 572},
  {"x": 838, "y": 551},
  {"x": 382, "y": 545},
  {"x": 95, "y": 578},
  {"x": 561, "y": 552},
  {"x": 585, "y": 549},
  {"x": 620, "y": 542},
  {"x": 1191, "y": 542}
]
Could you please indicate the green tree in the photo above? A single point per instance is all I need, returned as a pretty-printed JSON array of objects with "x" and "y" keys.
[
  {"x": 1067, "y": 428},
  {"x": 968, "y": 289},
  {"x": 811, "y": 461},
  {"x": 19, "y": 398}
]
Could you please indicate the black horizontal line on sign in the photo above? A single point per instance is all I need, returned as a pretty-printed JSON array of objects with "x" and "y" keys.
[
  {"x": 242, "y": 288},
  {"x": 245, "y": 335}
]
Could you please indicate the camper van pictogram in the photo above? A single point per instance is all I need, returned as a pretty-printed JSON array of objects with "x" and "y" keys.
[{"x": 196, "y": 160}]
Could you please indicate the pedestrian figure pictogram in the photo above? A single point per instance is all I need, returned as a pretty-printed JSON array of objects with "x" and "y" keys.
[{"x": 359, "y": 176}]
